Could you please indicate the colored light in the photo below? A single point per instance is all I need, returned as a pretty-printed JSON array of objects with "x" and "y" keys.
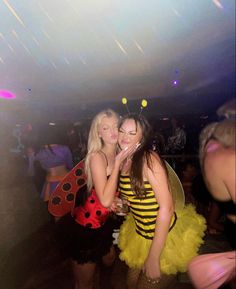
[
  {"x": 124, "y": 100},
  {"x": 144, "y": 103},
  {"x": 6, "y": 94},
  {"x": 175, "y": 82}
]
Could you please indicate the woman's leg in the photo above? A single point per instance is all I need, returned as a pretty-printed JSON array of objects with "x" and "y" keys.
[
  {"x": 132, "y": 278},
  {"x": 106, "y": 269},
  {"x": 109, "y": 258},
  {"x": 164, "y": 282},
  {"x": 84, "y": 275}
]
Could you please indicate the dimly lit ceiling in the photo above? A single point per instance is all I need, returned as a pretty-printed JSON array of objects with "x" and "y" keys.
[{"x": 63, "y": 56}]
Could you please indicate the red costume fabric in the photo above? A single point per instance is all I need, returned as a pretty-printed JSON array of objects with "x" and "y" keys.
[
  {"x": 92, "y": 214},
  {"x": 62, "y": 200}
]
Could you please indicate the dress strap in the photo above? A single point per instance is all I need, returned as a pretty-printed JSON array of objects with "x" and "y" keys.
[{"x": 105, "y": 157}]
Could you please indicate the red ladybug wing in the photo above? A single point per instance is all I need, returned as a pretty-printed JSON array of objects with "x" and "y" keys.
[{"x": 62, "y": 200}]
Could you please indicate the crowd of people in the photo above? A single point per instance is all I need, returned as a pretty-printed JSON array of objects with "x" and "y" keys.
[{"x": 123, "y": 163}]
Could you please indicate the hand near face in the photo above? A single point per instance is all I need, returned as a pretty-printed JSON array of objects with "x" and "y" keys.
[{"x": 126, "y": 153}]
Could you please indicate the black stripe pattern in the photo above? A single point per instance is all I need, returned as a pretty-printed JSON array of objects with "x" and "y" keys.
[{"x": 144, "y": 209}]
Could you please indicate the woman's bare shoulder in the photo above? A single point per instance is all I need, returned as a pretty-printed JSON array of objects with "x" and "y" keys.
[
  {"x": 97, "y": 158},
  {"x": 220, "y": 171},
  {"x": 154, "y": 163},
  {"x": 154, "y": 157}
]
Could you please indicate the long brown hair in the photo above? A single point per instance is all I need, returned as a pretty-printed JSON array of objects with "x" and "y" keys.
[{"x": 142, "y": 154}]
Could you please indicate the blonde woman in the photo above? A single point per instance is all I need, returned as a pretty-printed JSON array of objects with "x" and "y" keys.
[
  {"x": 217, "y": 158},
  {"x": 90, "y": 231}
]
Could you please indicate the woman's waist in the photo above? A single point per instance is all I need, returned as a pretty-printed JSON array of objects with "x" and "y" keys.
[
  {"x": 91, "y": 217},
  {"x": 57, "y": 171},
  {"x": 147, "y": 224},
  {"x": 91, "y": 209}
]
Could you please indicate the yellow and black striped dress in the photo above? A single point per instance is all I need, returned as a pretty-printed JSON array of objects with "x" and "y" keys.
[{"x": 136, "y": 233}]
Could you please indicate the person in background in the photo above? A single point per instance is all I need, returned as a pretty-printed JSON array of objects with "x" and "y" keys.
[
  {"x": 54, "y": 157},
  {"x": 88, "y": 231},
  {"x": 177, "y": 141},
  {"x": 155, "y": 241},
  {"x": 158, "y": 143},
  {"x": 217, "y": 158},
  {"x": 34, "y": 170},
  {"x": 187, "y": 174}
]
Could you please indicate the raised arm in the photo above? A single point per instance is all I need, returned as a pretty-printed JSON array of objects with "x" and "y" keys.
[{"x": 106, "y": 187}]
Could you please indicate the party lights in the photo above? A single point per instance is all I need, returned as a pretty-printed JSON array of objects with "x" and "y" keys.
[{"x": 6, "y": 94}]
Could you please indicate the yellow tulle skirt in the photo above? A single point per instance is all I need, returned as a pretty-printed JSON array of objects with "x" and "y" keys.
[{"x": 181, "y": 246}]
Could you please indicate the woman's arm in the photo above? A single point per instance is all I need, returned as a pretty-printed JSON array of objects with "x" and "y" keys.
[
  {"x": 106, "y": 188},
  {"x": 157, "y": 177}
]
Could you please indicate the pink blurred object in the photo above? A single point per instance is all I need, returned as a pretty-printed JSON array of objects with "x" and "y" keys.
[
  {"x": 210, "y": 271},
  {"x": 6, "y": 94}
]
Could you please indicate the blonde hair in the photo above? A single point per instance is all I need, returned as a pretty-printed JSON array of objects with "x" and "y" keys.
[
  {"x": 228, "y": 109},
  {"x": 95, "y": 143},
  {"x": 223, "y": 132}
]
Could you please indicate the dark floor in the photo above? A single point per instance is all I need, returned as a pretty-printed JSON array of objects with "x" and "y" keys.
[{"x": 37, "y": 264}]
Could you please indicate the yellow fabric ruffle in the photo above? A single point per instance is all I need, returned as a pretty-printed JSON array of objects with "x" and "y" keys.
[{"x": 181, "y": 246}]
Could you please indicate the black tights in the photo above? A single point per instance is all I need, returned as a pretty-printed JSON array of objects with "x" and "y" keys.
[{"x": 137, "y": 280}]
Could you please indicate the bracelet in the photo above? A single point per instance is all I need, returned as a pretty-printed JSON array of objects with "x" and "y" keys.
[{"x": 153, "y": 281}]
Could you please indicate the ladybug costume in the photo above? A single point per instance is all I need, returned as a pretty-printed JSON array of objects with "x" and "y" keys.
[{"x": 85, "y": 228}]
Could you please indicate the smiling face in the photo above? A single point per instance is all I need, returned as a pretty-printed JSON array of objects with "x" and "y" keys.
[
  {"x": 130, "y": 133},
  {"x": 108, "y": 129}
]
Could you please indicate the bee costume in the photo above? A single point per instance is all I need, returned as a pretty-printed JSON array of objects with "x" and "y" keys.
[{"x": 136, "y": 233}]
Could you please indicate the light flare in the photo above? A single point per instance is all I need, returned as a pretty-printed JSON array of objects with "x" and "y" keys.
[
  {"x": 138, "y": 46},
  {"x": 36, "y": 41},
  {"x": 46, "y": 34},
  {"x": 13, "y": 12},
  {"x": 218, "y": 4},
  {"x": 15, "y": 33},
  {"x": 53, "y": 64},
  {"x": 45, "y": 13},
  {"x": 120, "y": 46},
  {"x": 10, "y": 47}
]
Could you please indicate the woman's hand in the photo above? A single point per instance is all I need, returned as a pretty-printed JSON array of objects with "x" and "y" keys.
[
  {"x": 126, "y": 153},
  {"x": 151, "y": 269},
  {"x": 120, "y": 206},
  {"x": 115, "y": 204}
]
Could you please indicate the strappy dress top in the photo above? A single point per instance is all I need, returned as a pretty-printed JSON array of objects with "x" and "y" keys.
[
  {"x": 92, "y": 214},
  {"x": 144, "y": 209}
]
